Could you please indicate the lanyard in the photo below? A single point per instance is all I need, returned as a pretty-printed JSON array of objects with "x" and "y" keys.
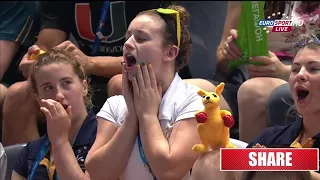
[
  {"x": 143, "y": 157},
  {"x": 100, "y": 28},
  {"x": 44, "y": 150}
]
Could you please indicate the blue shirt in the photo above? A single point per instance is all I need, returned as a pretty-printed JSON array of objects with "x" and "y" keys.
[
  {"x": 81, "y": 147},
  {"x": 282, "y": 135}
]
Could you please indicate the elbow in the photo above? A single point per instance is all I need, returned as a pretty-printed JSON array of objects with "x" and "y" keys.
[
  {"x": 92, "y": 168},
  {"x": 89, "y": 167},
  {"x": 169, "y": 175}
]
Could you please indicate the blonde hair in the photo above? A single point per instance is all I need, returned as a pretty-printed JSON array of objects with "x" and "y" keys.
[{"x": 54, "y": 56}]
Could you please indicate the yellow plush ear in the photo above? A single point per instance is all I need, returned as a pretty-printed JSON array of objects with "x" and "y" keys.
[
  {"x": 220, "y": 88},
  {"x": 202, "y": 93}
]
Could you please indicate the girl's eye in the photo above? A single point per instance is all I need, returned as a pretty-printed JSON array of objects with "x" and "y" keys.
[
  {"x": 47, "y": 88},
  {"x": 65, "y": 83},
  {"x": 295, "y": 70},
  {"x": 140, "y": 39}
]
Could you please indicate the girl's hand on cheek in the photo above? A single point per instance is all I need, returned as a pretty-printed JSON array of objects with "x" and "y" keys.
[
  {"x": 147, "y": 92},
  {"x": 58, "y": 120},
  {"x": 127, "y": 91}
]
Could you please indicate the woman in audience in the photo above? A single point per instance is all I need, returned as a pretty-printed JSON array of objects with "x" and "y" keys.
[
  {"x": 148, "y": 133},
  {"x": 60, "y": 82},
  {"x": 304, "y": 83},
  {"x": 253, "y": 93}
]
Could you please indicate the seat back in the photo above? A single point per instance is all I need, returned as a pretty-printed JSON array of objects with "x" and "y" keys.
[
  {"x": 12, "y": 152},
  {"x": 3, "y": 162}
]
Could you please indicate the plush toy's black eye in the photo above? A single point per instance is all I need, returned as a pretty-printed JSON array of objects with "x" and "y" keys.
[
  {"x": 214, "y": 95},
  {"x": 203, "y": 96}
]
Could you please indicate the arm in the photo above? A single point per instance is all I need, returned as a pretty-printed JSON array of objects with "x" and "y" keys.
[
  {"x": 113, "y": 146},
  {"x": 111, "y": 149},
  {"x": 231, "y": 22},
  {"x": 286, "y": 73},
  {"x": 315, "y": 175},
  {"x": 106, "y": 66},
  {"x": 169, "y": 160},
  {"x": 66, "y": 163}
]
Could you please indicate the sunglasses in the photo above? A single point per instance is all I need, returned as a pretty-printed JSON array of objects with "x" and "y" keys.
[{"x": 170, "y": 12}]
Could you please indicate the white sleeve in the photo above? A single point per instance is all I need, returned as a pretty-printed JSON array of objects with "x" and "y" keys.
[
  {"x": 112, "y": 110},
  {"x": 190, "y": 106}
]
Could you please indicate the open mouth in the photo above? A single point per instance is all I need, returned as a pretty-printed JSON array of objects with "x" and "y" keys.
[
  {"x": 65, "y": 106},
  {"x": 130, "y": 60},
  {"x": 302, "y": 93}
]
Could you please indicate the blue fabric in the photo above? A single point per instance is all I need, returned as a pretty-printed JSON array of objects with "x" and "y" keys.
[{"x": 81, "y": 147}]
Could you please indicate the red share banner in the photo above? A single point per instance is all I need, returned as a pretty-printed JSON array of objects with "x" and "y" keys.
[{"x": 269, "y": 159}]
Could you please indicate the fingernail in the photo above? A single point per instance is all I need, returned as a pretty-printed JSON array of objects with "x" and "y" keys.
[
  {"x": 149, "y": 65},
  {"x": 143, "y": 63},
  {"x": 138, "y": 66},
  {"x": 133, "y": 75}
]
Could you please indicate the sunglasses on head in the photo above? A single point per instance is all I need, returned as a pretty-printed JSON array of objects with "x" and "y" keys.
[{"x": 170, "y": 12}]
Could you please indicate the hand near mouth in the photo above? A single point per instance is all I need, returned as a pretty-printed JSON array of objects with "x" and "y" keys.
[
  {"x": 147, "y": 92},
  {"x": 127, "y": 91},
  {"x": 58, "y": 120}
]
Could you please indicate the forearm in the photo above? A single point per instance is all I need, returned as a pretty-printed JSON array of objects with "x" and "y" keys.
[
  {"x": 155, "y": 146},
  {"x": 315, "y": 175},
  {"x": 222, "y": 62},
  {"x": 286, "y": 73},
  {"x": 114, "y": 155},
  {"x": 105, "y": 66},
  {"x": 66, "y": 163}
]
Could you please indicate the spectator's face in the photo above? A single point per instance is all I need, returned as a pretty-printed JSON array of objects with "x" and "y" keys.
[
  {"x": 144, "y": 43},
  {"x": 58, "y": 81},
  {"x": 304, "y": 81}
]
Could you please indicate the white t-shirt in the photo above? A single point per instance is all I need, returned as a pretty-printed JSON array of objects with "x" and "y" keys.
[{"x": 180, "y": 101}]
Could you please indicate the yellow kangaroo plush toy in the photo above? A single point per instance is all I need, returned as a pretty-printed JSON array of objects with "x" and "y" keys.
[{"x": 214, "y": 124}]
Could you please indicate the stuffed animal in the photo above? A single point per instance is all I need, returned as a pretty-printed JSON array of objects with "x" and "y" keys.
[{"x": 214, "y": 124}]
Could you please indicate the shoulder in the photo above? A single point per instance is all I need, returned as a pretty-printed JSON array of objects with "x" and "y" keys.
[
  {"x": 114, "y": 103},
  {"x": 186, "y": 101},
  {"x": 114, "y": 109},
  {"x": 189, "y": 95},
  {"x": 34, "y": 147}
]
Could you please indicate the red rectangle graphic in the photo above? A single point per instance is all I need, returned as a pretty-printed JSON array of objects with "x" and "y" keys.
[
  {"x": 281, "y": 28},
  {"x": 269, "y": 159}
]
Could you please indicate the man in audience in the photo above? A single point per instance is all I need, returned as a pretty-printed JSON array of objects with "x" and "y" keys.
[
  {"x": 18, "y": 28},
  {"x": 207, "y": 168}
]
